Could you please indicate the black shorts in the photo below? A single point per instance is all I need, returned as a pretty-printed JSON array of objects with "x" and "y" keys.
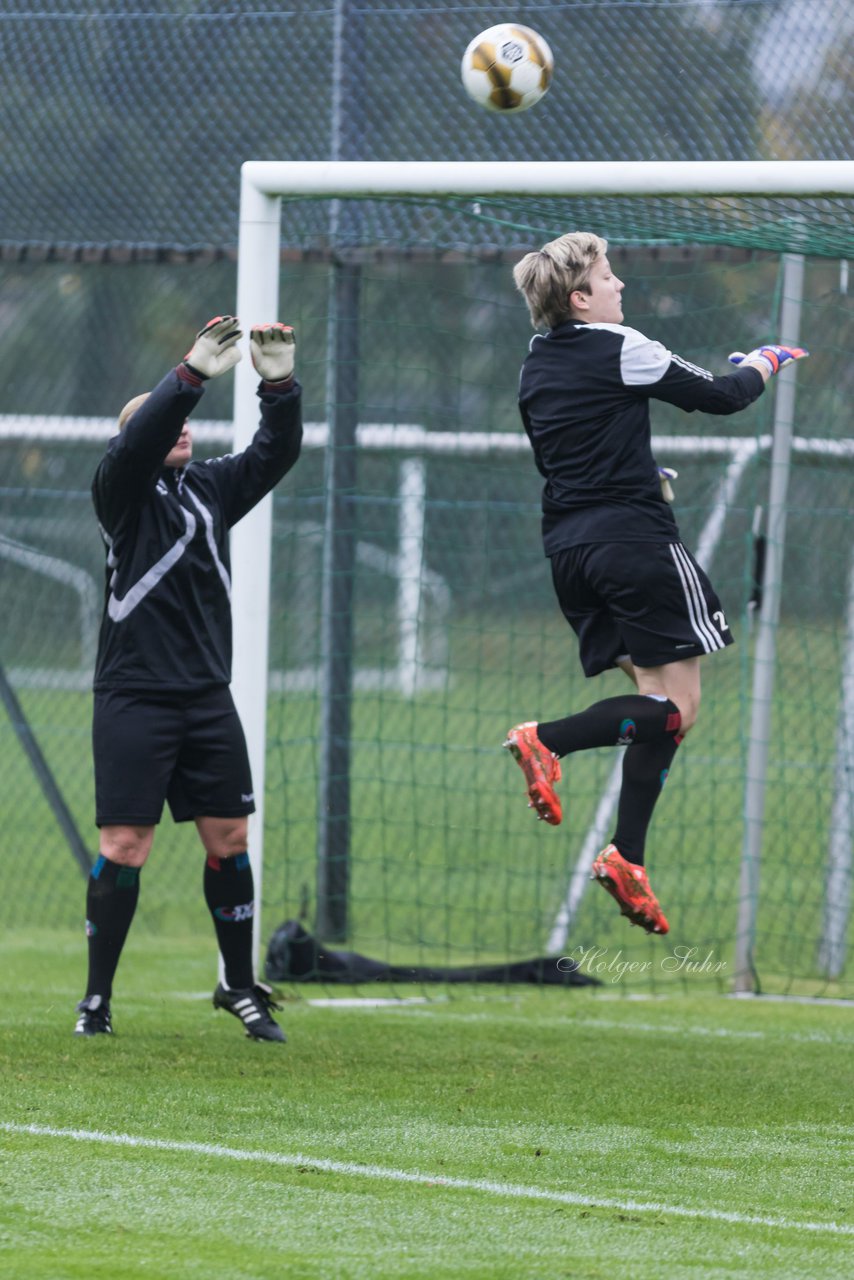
[
  {"x": 649, "y": 601},
  {"x": 186, "y": 749}
]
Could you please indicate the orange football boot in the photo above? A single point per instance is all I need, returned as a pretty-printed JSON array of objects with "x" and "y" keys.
[
  {"x": 541, "y": 769},
  {"x": 628, "y": 885}
]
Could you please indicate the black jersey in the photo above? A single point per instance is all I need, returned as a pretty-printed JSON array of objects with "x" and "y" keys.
[
  {"x": 167, "y": 609},
  {"x": 584, "y": 397}
]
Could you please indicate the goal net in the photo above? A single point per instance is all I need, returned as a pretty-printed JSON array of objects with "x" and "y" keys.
[{"x": 411, "y": 617}]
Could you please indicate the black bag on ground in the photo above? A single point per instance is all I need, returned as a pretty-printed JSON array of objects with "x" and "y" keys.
[{"x": 293, "y": 955}]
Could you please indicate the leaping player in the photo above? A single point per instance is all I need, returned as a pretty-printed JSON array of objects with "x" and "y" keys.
[{"x": 627, "y": 585}]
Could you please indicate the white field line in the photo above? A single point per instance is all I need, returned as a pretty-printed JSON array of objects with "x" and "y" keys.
[
  {"x": 351, "y": 1169},
  {"x": 367, "y": 1002},
  {"x": 818, "y": 1002},
  {"x": 438, "y": 1006},
  {"x": 333, "y": 1002},
  {"x": 650, "y": 1028}
]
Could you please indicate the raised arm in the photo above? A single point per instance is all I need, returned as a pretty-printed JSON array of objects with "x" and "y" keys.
[
  {"x": 150, "y": 425},
  {"x": 128, "y": 471},
  {"x": 244, "y": 479},
  {"x": 663, "y": 375}
]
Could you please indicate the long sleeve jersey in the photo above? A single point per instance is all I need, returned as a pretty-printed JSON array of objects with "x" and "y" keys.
[
  {"x": 167, "y": 609},
  {"x": 584, "y": 396}
]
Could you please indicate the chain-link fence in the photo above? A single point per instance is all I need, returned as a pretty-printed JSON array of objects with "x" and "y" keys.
[{"x": 127, "y": 126}]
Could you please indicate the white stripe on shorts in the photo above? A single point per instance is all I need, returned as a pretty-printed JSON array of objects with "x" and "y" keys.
[{"x": 698, "y": 610}]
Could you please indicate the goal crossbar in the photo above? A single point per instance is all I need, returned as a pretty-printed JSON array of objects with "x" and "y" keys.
[{"x": 548, "y": 178}]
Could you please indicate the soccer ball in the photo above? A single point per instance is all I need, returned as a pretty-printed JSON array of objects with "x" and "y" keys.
[{"x": 507, "y": 68}]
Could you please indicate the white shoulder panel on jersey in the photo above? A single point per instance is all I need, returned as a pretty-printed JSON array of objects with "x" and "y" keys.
[{"x": 642, "y": 360}]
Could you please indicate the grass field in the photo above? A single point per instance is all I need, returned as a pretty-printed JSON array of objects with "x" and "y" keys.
[{"x": 537, "y": 1134}]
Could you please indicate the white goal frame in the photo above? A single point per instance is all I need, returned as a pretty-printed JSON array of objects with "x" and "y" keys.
[{"x": 264, "y": 183}]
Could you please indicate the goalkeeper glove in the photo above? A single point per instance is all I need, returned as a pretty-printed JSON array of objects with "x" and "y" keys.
[
  {"x": 771, "y": 355},
  {"x": 272, "y": 347},
  {"x": 665, "y": 475},
  {"x": 215, "y": 349}
]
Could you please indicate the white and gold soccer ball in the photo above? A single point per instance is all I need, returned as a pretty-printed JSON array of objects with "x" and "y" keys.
[{"x": 507, "y": 68}]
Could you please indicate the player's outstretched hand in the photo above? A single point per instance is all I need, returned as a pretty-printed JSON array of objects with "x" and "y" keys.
[
  {"x": 771, "y": 355},
  {"x": 273, "y": 347},
  {"x": 215, "y": 349}
]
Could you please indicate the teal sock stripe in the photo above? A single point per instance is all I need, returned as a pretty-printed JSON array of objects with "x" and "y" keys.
[{"x": 126, "y": 877}]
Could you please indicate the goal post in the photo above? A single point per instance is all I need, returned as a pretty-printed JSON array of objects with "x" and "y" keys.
[
  {"x": 257, "y": 303},
  {"x": 765, "y": 656},
  {"x": 264, "y": 184}
]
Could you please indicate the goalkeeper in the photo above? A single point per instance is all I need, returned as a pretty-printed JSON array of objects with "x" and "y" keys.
[
  {"x": 165, "y": 727},
  {"x": 632, "y": 592}
]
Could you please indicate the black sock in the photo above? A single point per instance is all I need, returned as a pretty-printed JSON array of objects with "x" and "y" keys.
[
  {"x": 635, "y": 717},
  {"x": 645, "y": 769},
  {"x": 230, "y": 895},
  {"x": 111, "y": 898}
]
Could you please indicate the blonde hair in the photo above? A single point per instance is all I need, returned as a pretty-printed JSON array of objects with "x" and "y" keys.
[
  {"x": 131, "y": 407},
  {"x": 546, "y": 277}
]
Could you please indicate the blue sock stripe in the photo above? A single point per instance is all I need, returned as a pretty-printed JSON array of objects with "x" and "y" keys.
[
  {"x": 241, "y": 861},
  {"x": 100, "y": 863}
]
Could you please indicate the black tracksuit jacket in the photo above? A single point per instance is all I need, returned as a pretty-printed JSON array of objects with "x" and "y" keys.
[
  {"x": 166, "y": 624},
  {"x": 584, "y": 396}
]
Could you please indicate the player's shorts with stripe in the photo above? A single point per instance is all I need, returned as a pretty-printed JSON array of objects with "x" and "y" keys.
[
  {"x": 650, "y": 601},
  {"x": 188, "y": 750}
]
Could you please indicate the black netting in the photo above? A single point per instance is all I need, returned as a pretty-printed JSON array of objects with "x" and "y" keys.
[{"x": 129, "y": 126}]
